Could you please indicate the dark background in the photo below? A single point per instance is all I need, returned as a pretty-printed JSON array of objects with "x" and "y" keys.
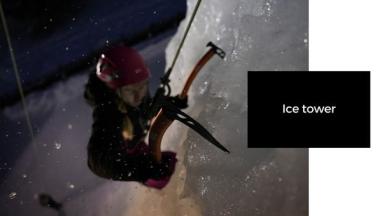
[{"x": 53, "y": 40}]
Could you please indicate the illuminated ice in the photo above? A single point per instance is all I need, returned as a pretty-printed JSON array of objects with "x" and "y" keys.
[{"x": 256, "y": 35}]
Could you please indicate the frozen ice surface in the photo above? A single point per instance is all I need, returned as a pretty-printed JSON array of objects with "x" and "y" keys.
[{"x": 256, "y": 35}]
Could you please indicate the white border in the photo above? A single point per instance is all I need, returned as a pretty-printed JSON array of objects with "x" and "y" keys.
[{"x": 345, "y": 35}]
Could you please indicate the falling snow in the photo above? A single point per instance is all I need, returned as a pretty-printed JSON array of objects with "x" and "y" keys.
[
  {"x": 57, "y": 145},
  {"x": 12, "y": 195},
  {"x": 70, "y": 185}
]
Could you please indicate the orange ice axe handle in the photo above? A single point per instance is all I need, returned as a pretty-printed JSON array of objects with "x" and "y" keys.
[
  {"x": 213, "y": 50},
  {"x": 162, "y": 122}
]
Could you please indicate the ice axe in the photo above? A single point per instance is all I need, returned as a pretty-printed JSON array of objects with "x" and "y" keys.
[{"x": 168, "y": 112}]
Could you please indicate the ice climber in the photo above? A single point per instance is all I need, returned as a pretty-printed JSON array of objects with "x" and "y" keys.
[{"x": 118, "y": 93}]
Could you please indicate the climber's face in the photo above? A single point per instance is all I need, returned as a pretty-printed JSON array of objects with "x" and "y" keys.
[{"x": 133, "y": 94}]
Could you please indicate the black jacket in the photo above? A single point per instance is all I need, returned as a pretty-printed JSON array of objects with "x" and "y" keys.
[{"x": 107, "y": 155}]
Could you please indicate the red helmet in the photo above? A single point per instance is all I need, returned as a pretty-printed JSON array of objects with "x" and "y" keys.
[{"x": 121, "y": 66}]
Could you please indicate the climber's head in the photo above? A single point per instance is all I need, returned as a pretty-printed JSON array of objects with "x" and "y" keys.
[{"x": 124, "y": 71}]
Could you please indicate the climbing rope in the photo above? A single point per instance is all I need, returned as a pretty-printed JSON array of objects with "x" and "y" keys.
[
  {"x": 183, "y": 39},
  {"x": 16, "y": 71}
]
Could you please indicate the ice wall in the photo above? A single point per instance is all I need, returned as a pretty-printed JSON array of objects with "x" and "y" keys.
[{"x": 257, "y": 35}]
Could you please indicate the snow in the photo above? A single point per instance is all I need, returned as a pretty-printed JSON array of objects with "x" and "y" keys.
[{"x": 55, "y": 161}]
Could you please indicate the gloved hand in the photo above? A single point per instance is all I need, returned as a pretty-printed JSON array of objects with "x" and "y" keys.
[{"x": 180, "y": 103}]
